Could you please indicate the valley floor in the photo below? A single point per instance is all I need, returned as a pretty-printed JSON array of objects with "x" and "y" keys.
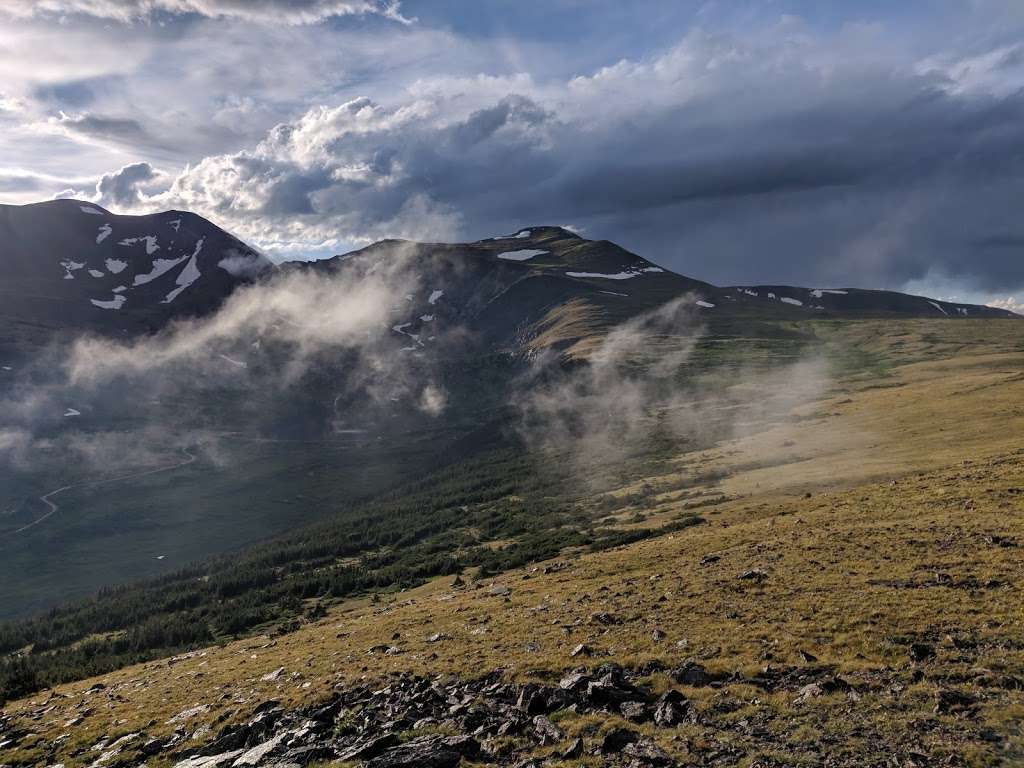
[{"x": 853, "y": 597}]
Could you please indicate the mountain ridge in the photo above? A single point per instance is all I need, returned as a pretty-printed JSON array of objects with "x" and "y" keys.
[{"x": 72, "y": 265}]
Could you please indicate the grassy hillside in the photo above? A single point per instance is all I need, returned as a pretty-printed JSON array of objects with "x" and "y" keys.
[{"x": 885, "y": 512}]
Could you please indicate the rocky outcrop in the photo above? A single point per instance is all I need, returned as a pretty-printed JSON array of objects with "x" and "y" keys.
[
  {"x": 624, "y": 718},
  {"x": 459, "y": 720}
]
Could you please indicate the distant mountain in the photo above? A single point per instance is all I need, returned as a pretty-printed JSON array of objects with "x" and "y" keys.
[
  {"x": 547, "y": 287},
  {"x": 540, "y": 287},
  {"x": 68, "y": 264},
  {"x": 860, "y": 302}
]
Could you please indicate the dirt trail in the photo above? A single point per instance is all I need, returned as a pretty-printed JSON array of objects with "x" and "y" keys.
[{"x": 45, "y": 498}]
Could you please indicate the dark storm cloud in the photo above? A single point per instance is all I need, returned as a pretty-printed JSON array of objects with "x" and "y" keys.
[
  {"x": 1013, "y": 241},
  {"x": 617, "y": 188},
  {"x": 107, "y": 128},
  {"x": 862, "y": 194},
  {"x": 72, "y": 94},
  {"x": 848, "y": 191}
]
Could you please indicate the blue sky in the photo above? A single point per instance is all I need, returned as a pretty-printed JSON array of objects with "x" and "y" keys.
[{"x": 867, "y": 144}]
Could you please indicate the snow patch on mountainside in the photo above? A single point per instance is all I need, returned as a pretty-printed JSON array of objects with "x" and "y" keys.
[
  {"x": 434, "y": 296},
  {"x": 616, "y": 276},
  {"x": 523, "y": 255},
  {"x": 116, "y": 266},
  {"x": 90, "y": 210},
  {"x": 236, "y": 363},
  {"x": 104, "y": 233},
  {"x": 188, "y": 275},
  {"x": 71, "y": 266},
  {"x": 115, "y": 303},
  {"x": 160, "y": 267},
  {"x": 627, "y": 274},
  {"x": 150, "y": 241}
]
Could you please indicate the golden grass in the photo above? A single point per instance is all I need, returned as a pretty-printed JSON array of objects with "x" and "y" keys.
[{"x": 880, "y": 521}]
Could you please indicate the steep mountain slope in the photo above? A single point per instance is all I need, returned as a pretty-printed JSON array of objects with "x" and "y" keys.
[
  {"x": 549, "y": 288},
  {"x": 71, "y": 265},
  {"x": 540, "y": 287}
]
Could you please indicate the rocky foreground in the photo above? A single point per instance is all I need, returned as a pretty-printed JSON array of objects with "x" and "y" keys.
[{"x": 417, "y": 722}]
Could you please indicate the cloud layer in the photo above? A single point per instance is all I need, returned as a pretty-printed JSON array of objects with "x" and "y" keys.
[
  {"x": 262, "y": 11},
  {"x": 852, "y": 154}
]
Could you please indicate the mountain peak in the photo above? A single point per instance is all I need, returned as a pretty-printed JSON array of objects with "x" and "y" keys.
[
  {"x": 72, "y": 263},
  {"x": 537, "y": 234}
]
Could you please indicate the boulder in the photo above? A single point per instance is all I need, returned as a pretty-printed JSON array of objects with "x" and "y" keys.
[
  {"x": 691, "y": 673},
  {"x": 546, "y": 732},
  {"x": 635, "y": 711},
  {"x": 574, "y": 751},
  {"x": 671, "y": 709},
  {"x": 617, "y": 739},
  {"x": 646, "y": 752},
  {"x": 368, "y": 747},
  {"x": 428, "y": 752}
]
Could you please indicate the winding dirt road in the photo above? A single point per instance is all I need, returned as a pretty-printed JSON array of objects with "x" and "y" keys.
[{"x": 45, "y": 498}]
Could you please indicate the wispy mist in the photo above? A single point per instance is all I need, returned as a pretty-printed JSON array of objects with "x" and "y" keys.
[
  {"x": 645, "y": 386},
  {"x": 311, "y": 348}
]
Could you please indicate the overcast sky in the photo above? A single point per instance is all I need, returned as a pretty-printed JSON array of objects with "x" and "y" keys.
[{"x": 816, "y": 142}]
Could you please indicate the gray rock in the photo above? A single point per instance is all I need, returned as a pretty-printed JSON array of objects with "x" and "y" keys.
[
  {"x": 255, "y": 755},
  {"x": 754, "y": 574},
  {"x": 671, "y": 709},
  {"x": 547, "y": 733},
  {"x": 617, "y": 739},
  {"x": 208, "y": 761},
  {"x": 635, "y": 711},
  {"x": 575, "y": 682},
  {"x": 574, "y": 751},
  {"x": 428, "y": 752},
  {"x": 367, "y": 747},
  {"x": 691, "y": 673},
  {"x": 646, "y": 752}
]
